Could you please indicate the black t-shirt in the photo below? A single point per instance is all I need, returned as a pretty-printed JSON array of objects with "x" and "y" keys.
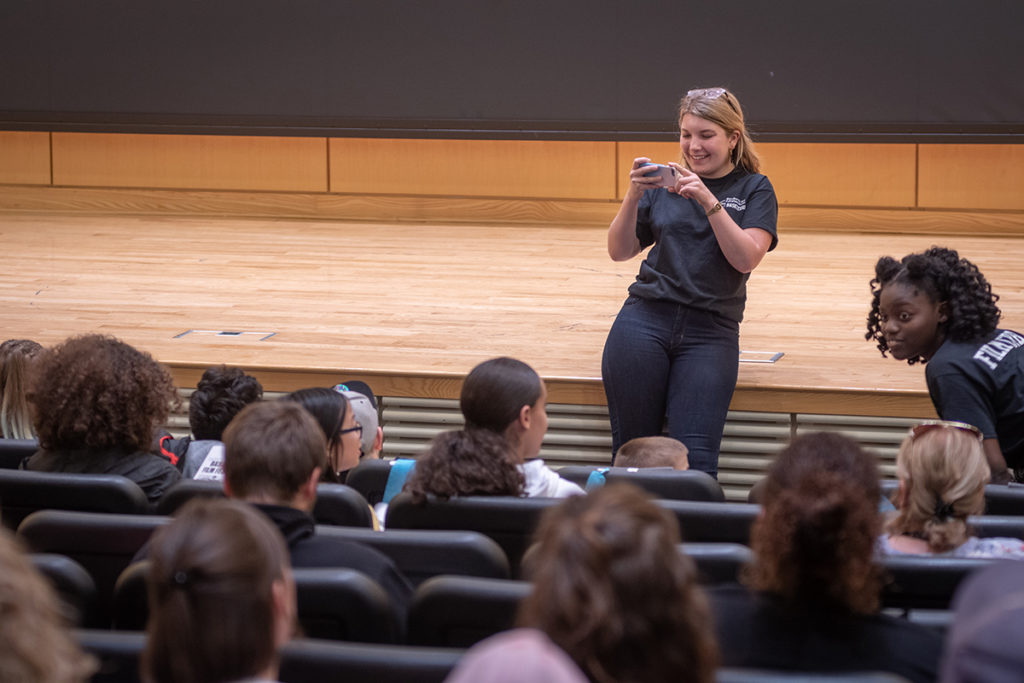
[
  {"x": 759, "y": 631},
  {"x": 981, "y": 382},
  {"x": 686, "y": 265}
]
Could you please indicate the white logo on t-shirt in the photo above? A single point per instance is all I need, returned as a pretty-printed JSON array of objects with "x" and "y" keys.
[
  {"x": 212, "y": 468},
  {"x": 735, "y": 204},
  {"x": 994, "y": 351}
]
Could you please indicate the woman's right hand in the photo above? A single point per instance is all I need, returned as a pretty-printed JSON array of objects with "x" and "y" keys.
[{"x": 638, "y": 182}]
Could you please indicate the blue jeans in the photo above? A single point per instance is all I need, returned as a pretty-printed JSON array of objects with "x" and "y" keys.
[{"x": 668, "y": 362}]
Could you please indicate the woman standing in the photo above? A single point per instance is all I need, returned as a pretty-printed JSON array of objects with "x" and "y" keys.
[{"x": 673, "y": 350}]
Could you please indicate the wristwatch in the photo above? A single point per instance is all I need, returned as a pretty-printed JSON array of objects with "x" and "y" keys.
[{"x": 714, "y": 209}]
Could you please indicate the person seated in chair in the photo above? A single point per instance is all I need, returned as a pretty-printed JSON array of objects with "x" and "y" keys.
[
  {"x": 273, "y": 455},
  {"x": 15, "y": 416},
  {"x": 97, "y": 402},
  {"x": 813, "y": 592},
  {"x": 942, "y": 470},
  {"x": 497, "y": 453},
  {"x": 221, "y": 393},
  {"x": 652, "y": 451}
]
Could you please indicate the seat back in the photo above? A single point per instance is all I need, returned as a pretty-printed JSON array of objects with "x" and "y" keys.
[
  {"x": 336, "y": 504},
  {"x": 669, "y": 483},
  {"x": 314, "y": 661},
  {"x": 990, "y": 526},
  {"x": 380, "y": 480},
  {"x": 344, "y": 604},
  {"x": 333, "y": 603},
  {"x": 23, "y": 492},
  {"x": 103, "y": 543},
  {"x": 718, "y": 562},
  {"x": 507, "y": 520},
  {"x": 1002, "y": 499},
  {"x": 423, "y": 553},
  {"x": 458, "y": 611},
  {"x": 118, "y": 653},
  {"x": 924, "y": 581},
  {"x": 71, "y": 582},
  {"x": 13, "y": 451},
  {"x": 704, "y": 522},
  {"x": 341, "y": 505},
  {"x": 578, "y": 474},
  {"x": 184, "y": 490}
]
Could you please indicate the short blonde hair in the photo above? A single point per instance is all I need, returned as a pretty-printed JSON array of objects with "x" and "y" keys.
[
  {"x": 652, "y": 451},
  {"x": 943, "y": 472},
  {"x": 721, "y": 107}
]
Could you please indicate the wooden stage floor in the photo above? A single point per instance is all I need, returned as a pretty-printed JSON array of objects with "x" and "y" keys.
[{"x": 411, "y": 308}]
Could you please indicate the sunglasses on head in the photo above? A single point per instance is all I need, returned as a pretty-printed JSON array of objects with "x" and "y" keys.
[{"x": 929, "y": 425}]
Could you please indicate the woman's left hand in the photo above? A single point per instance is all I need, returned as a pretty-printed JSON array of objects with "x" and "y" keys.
[{"x": 688, "y": 184}]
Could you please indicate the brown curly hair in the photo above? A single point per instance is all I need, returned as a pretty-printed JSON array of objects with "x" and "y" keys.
[
  {"x": 815, "y": 541},
  {"x": 95, "y": 392},
  {"x": 612, "y": 589},
  {"x": 468, "y": 462}
]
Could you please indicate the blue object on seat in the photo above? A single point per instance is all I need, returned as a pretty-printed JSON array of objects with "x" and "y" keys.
[
  {"x": 400, "y": 470},
  {"x": 596, "y": 478}
]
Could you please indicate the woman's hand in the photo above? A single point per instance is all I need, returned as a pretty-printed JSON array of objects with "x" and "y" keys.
[
  {"x": 688, "y": 184},
  {"x": 638, "y": 182}
]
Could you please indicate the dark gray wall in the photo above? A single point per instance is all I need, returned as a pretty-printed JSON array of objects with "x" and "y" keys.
[{"x": 831, "y": 69}]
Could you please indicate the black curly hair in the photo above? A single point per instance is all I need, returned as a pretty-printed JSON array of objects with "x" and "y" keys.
[{"x": 944, "y": 277}]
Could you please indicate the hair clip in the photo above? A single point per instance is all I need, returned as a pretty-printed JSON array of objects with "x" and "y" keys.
[{"x": 943, "y": 510}]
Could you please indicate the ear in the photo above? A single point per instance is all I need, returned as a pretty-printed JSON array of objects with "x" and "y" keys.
[
  {"x": 943, "y": 311},
  {"x": 227, "y": 488},
  {"x": 378, "y": 441},
  {"x": 734, "y": 139},
  {"x": 525, "y": 415},
  {"x": 307, "y": 491},
  {"x": 283, "y": 595}
]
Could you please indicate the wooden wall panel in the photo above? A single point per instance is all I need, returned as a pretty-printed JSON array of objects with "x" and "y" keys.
[
  {"x": 288, "y": 164},
  {"x": 972, "y": 176},
  {"x": 24, "y": 158},
  {"x": 814, "y": 174},
  {"x": 477, "y": 168},
  {"x": 823, "y": 174}
]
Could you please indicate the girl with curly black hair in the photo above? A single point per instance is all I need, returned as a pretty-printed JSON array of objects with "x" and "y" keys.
[{"x": 937, "y": 308}]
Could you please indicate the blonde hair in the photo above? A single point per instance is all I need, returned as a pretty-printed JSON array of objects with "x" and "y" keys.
[
  {"x": 721, "y": 107},
  {"x": 943, "y": 473},
  {"x": 35, "y": 644},
  {"x": 652, "y": 451},
  {"x": 15, "y": 416}
]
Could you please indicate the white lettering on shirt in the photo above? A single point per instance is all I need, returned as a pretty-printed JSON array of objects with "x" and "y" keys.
[
  {"x": 735, "y": 204},
  {"x": 994, "y": 351}
]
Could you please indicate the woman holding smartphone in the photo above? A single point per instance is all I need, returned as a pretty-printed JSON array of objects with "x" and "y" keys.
[{"x": 672, "y": 353}]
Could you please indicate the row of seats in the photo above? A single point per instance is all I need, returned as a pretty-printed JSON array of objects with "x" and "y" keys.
[
  {"x": 314, "y": 661},
  {"x": 88, "y": 557}
]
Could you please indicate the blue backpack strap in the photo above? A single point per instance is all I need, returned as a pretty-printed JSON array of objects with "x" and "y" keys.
[
  {"x": 596, "y": 478},
  {"x": 399, "y": 472}
]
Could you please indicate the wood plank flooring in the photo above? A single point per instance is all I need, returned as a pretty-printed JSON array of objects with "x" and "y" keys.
[{"x": 411, "y": 308}]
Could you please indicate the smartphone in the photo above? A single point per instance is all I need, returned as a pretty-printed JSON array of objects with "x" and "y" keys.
[{"x": 667, "y": 174}]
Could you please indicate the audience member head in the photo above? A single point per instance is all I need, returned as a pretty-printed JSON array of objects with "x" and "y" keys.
[
  {"x": 97, "y": 393},
  {"x": 466, "y": 463},
  {"x": 35, "y": 643},
  {"x": 942, "y": 471},
  {"x": 338, "y": 423},
  {"x": 722, "y": 108},
  {"x": 273, "y": 453},
  {"x": 15, "y": 416},
  {"x": 814, "y": 542},
  {"x": 221, "y": 596},
  {"x": 652, "y": 451},
  {"x": 922, "y": 299},
  {"x": 983, "y": 642},
  {"x": 220, "y": 394},
  {"x": 364, "y": 406},
  {"x": 522, "y": 654},
  {"x": 506, "y": 396},
  {"x": 612, "y": 589}
]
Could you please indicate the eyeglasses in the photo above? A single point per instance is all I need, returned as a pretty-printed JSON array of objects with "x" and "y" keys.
[
  {"x": 357, "y": 428},
  {"x": 929, "y": 425}
]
